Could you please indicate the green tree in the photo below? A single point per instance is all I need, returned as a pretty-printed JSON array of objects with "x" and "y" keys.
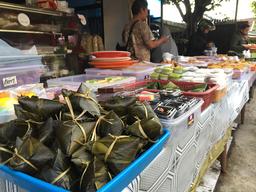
[
  {"x": 254, "y": 7},
  {"x": 192, "y": 11}
]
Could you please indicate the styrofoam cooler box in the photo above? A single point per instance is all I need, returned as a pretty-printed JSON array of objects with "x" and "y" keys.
[
  {"x": 140, "y": 73},
  {"x": 73, "y": 82},
  {"x": 183, "y": 128},
  {"x": 16, "y": 76}
]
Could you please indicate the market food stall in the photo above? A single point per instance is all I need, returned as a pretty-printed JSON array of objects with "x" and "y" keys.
[
  {"x": 123, "y": 125},
  {"x": 200, "y": 127}
]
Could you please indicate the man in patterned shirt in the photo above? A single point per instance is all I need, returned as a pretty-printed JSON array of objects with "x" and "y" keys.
[{"x": 141, "y": 39}]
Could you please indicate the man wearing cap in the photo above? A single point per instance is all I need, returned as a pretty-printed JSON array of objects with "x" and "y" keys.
[{"x": 199, "y": 41}]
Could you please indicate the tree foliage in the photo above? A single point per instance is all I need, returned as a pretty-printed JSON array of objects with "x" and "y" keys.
[
  {"x": 253, "y": 5},
  {"x": 194, "y": 10}
]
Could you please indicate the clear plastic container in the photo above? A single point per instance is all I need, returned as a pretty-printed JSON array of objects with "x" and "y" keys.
[
  {"x": 16, "y": 76},
  {"x": 184, "y": 125},
  {"x": 9, "y": 97},
  {"x": 103, "y": 72},
  {"x": 74, "y": 82},
  {"x": 5, "y": 63},
  {"x": 140, "y": 73},
  {"x": 19, "y": 58},
  {"x": 5, "y": 117}
]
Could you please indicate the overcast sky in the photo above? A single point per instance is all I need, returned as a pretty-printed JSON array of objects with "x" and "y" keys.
[{"x": 226, "y": 10}]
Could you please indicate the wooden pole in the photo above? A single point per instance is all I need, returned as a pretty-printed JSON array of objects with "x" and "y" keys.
[
  {"x": 162, "y": 13},
  {"x": 237, "y": 2}
]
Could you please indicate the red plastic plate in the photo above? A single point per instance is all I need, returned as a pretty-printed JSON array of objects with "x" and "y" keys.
[{"x": 109, "y": 54}]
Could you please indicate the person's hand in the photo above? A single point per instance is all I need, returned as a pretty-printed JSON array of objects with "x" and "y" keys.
[
  {"x": 246, "y": 46},
  {"x": 164, "y": 39},
  {"x": 155, "y": 43}
]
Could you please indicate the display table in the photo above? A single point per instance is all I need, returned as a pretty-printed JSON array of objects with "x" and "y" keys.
[
  {"x": 198, "y": 138},
  {"x": 177, "y": 167}
]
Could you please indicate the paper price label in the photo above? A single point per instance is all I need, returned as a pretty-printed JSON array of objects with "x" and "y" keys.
[{"x": 9, "y": 81}]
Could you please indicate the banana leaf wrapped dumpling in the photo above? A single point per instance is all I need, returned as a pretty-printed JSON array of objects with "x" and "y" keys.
[
  {"x": 119, "y": 105},
  {"x": 72, "y": 134},
  {"x": 96, "y": 176},
  {"x": 11, "y": 130},
  {"x": 83, "y": 89},
  {"x": 84, "y": 101},
  {"x": 67, "y": 116},
  {"x": 140, "y": 110},
  {"x": 87, "y": 180},
  {"x": 117, "y": 151},
  {"x": 58, "y": 172},
  {"x": 30, "y": 155},
  {"x": 44, "y": 132},
  {"x": 101, "y": 173},
  {"x": 110, "y": 124},
  {"x": 3, "y": 154},
  {"x": 82, "y": 159},
  {"x": 43, "y": 107},
  {"x": 88, "y": 141},
  {"x": 150, "y": 129},
  {"x": 94, "y": 173},
  {"x": 23, "y": 114}
]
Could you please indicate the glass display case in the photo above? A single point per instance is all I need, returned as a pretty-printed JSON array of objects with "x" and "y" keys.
[{"x": 53, "y": 34}]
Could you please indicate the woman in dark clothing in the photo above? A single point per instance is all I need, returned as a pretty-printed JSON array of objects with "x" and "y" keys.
[
  {"x": 199, "y": 40},
  {"x": 240, "y": 38}
]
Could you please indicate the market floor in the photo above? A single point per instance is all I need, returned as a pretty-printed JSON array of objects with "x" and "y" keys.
[{"x": 241, "y": 170}]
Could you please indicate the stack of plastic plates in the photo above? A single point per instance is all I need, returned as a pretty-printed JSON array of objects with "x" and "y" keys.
[{"x": 111, "y": 59}]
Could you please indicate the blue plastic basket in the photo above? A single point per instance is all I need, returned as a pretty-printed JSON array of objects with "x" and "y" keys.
[{"x": 13, "y": 181}]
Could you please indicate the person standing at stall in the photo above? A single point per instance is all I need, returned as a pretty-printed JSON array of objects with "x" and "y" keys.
[
  {"x": 199, "y": 42},
  {"x": 240, "y": 39},
  {"x": 168, "y": 47},
  {"x": 137, "y": 34}
]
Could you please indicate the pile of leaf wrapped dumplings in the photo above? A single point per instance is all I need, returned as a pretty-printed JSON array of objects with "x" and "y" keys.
[{"x": 80, "y": 145}]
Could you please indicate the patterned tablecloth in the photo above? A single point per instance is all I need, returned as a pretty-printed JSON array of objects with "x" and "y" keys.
[{"x": 178, "y": 164}]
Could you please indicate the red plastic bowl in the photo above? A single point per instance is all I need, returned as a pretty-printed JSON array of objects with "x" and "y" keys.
[{"x": 109, "y": 54}]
